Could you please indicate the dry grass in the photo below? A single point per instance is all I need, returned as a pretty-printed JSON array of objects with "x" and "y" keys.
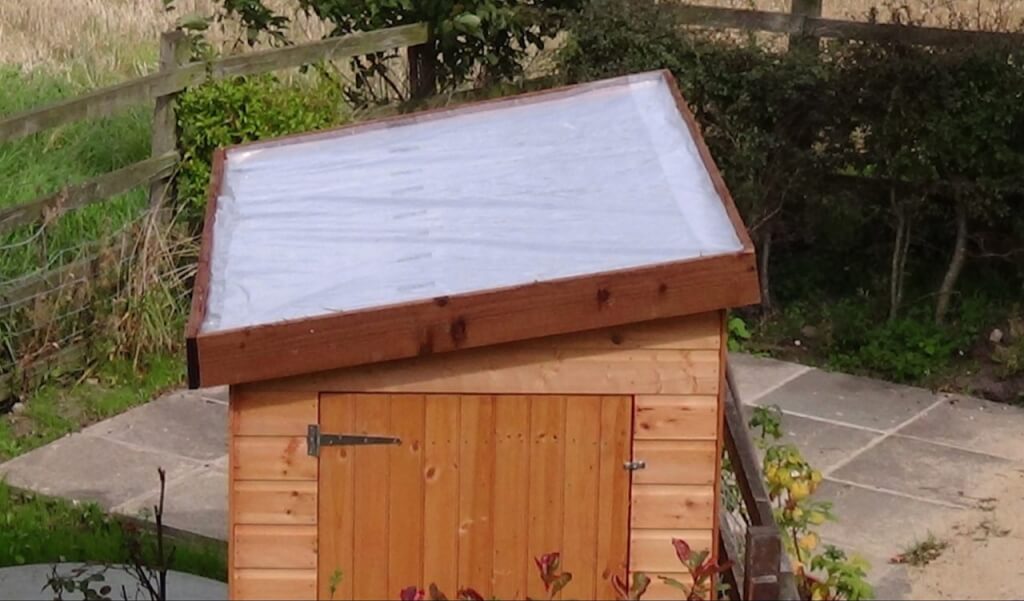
[
  {"x": 103, "y": 39},
  {"x": 998, "y": 15}
]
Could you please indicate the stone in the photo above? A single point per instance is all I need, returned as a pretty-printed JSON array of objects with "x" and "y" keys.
[
  {"x": 18, "y": 408},
  {"x": 183, "y": 423},
  {"x": 197, "y": 504},
  {"x": 86, "y": 468},
  {"x": 974, "y": 424},
  {"x": 926, "y": 470},
  {"x": 850, "y": 400},
  {"x": 996, "y": 336},
  {"x": 27, "y": 582},
  {"x": 877, "y": 524},
  {"x": 757, "y": 376}
]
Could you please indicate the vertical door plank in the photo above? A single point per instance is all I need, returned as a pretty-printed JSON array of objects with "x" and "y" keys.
[
  {"x": 405, "y": 499},
  {"x": 370, "y": 562},
  {"x": 512, "y": 562},
  {"x": 476, "y": 491},
  {"x": 613, "y": 501},
  {"x": 547, "y": 473},
  {"x": 441, "y": 494},
  {"x": 582, "y": 463},
  {"x": 336, "y": 500}
]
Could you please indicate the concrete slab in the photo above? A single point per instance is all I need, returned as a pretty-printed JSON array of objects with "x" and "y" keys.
[
  {"x": 983, "y": 426},
  {"x": 850, "y": 400},
  {"x": 217, "y": 394},
  {"x": 924, "y": 469},
  {"x": 26, "y": 582},
  {"x": 183, "y": 423},
  {"x": 822, "y": 444},
  {"x": 879, "y": 525},
  {"x": 86, "y": 468},
  {"x": 756, "y": 376},
  {"x": 197, "y": 503}
]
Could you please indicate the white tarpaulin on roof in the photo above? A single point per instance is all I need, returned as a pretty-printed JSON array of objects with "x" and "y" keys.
[{"x": 566, "y": 185}]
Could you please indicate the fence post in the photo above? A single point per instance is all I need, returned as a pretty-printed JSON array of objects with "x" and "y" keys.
[
  {"x": 422, "y": 71},
  {"x": 806, "y": 8},
  {"x": 173, "y": 53},
  {"x": 762, "y": 563}
]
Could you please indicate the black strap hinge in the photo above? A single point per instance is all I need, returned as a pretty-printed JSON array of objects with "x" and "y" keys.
[{"x": 315, "y": 440}]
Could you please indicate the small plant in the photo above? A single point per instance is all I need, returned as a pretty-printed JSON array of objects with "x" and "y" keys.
[
  {"x": 702, "y": 569},
  {"x": 791, "y": 481},
  {"x": 147, "y": 563},
  {"x": 921, "y": 553},
  {"x": 739, "y": 334},
  {"x": 334, "y": 582}
]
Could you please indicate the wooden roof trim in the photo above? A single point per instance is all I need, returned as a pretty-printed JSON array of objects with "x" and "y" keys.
[
  {"x": 498, "y": 315},
  {"x": 201, "y": 289}
]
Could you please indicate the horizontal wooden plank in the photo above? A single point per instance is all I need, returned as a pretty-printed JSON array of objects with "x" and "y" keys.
[
  {"x": 482, "y": 319},
  {"x": 786, "y": 23},
  {"x": 651, "y": 551},
  {"x": 675, "y": 461},
  {"x": 107, "y": 101},
  {"x": 532, "y": 367},
  {"x": 271, "y": 585},
  {"x": 668, "y": 417},
  {"x": 690, "y": 332},
  {"x": 260, "y": 413},
  {"x": 355, "y": 44},
  {"x": 94, "y": 190},
  {"x": 272, "y": 458},
  {"x": 275, "y": 502},
  {"x": 672, "y": 507},
  {"x": 278, "y": 547}
]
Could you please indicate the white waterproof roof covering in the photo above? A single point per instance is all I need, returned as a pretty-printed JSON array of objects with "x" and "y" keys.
[{"x": 571, "y": 184}]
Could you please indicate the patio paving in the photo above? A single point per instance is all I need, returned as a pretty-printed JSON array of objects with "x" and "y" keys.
[{"x": 899, "y": 462}]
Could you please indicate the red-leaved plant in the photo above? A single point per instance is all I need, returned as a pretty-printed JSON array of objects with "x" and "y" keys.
[
  {"x": 549, "y": 565},
  {"x": 700, "y": 565}
]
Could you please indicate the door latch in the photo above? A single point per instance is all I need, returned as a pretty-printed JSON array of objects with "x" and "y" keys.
[
  {"x": 634, "y": 465},
  {"x": 315, "y": 440}
]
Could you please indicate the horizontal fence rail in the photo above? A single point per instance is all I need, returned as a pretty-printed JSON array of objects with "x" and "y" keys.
[
  {"x": 810, "y": 26},
  {"x": 107, "y": 101},
  {"x": 97, "y": 189}
]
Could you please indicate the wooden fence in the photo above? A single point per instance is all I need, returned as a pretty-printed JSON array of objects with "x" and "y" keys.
[{"x": 161, "y": 88}]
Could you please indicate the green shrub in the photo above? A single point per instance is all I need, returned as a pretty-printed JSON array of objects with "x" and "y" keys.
[{"x": 244, "y": 109}]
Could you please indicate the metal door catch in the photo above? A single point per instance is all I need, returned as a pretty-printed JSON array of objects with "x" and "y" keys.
[
  {"x": 634, "y": 465},
  {"x": 315, "y": 440}
]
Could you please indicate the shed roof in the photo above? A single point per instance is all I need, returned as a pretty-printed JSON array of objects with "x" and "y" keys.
[{"x": 541, "y": 214}]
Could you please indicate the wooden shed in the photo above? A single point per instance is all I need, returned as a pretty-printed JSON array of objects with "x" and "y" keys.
[{"x": 459, "y": 339}]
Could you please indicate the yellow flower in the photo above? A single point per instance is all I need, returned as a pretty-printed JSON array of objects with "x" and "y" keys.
[
  {"x": 809, "y": 541},
  {"x": 797, "y": 513},
  {"x": 817, "y": 518},
  {"x": 800, "y": 490}
]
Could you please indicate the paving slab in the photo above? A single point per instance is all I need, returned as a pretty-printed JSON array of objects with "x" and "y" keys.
[
  {"x": 850, "y": 400},
  {"x": 824, "y": 445},
  {"x": 87, "y": 468},
  {"x": 756, "y": 376},
  {"x": 196, "y": 503},
  {"x": 26, "y": 582},
  {"x": 183, "y": 423},
  {"x": 923, "y": 469},
  {"x": 878, "y": 524},
  {"x": 974, "y": 424}
]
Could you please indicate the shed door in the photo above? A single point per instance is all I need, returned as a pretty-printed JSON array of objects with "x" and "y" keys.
[{"x": 479, "y": 487}]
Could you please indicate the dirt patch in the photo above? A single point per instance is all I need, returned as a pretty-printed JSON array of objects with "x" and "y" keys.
[{"x": 983, "y": 557}]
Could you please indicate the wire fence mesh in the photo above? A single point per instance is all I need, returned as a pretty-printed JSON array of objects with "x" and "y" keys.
[{"x": 118, "y": 287}]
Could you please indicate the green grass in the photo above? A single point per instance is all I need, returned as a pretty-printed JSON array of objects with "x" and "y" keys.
[
  {"x": 57, "y": 409},
  {"x": 43, "y": 163},
  {"x": 36, "y": 529}
]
